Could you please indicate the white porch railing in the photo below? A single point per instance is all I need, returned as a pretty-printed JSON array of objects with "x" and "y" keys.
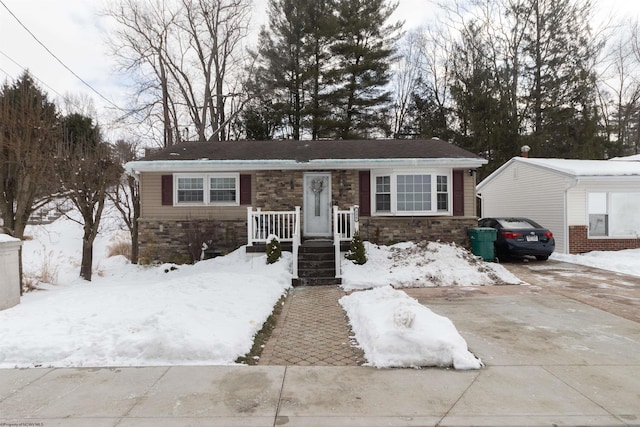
[
  {"x": 285, "y": 225},
  {"x": 345, "y": 225}
]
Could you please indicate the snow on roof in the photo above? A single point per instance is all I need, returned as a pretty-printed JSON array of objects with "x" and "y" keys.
[
  {"x": 6, "y": 238},
  {"x": 584, "y": 168}
]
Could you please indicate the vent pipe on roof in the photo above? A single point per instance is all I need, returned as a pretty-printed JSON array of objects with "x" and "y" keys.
[{"x": 525, "y": 150}]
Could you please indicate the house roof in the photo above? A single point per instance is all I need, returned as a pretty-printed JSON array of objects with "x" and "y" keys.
[
  {"x": 577, "y": 169},
  {"x": 291, "y": 154}
]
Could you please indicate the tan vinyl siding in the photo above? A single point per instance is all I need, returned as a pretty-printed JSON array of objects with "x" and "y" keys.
[
  {"x": 151, "y": 203},
  {"x": 532, "y": 192},
  {"x": 470, "y": 200}
]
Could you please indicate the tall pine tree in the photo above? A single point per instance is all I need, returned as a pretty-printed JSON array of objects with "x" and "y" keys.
[
  {"x": 363, "y": 55},
  {"x": 324, "y": 65}
]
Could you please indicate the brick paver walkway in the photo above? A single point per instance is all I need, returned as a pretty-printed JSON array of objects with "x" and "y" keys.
[{"x": 312, "y": 330}]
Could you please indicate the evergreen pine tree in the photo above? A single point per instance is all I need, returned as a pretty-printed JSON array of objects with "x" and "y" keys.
[
  {"x": 357, "y": 252},
  {"x": 274, "y": 251},
  {"x": 363, "y": 55}
]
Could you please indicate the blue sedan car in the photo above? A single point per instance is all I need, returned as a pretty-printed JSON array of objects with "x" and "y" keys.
[{"x": 519, "y": 237}]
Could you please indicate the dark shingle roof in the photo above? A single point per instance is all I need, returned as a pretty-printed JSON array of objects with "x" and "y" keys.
[{"x": 304, "y": 151}]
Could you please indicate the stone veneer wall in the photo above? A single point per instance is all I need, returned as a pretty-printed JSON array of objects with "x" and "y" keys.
[
  {"x": 181, "y": 241},
  {"x": 278, "y": 190},
  {"x": 389, "y": 230},
  {"x": 579, "y": 241}
]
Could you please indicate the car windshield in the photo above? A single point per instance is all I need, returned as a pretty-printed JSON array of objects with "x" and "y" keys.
[{"x": 515, "y": 223}]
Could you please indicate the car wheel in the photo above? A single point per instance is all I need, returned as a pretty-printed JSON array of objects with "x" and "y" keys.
[{"x": 542, "y": 257}]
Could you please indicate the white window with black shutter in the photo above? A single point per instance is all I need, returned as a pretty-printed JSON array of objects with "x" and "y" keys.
[
  {"x": 221, "y": 189},
  {"x": 410, "y": 192}
]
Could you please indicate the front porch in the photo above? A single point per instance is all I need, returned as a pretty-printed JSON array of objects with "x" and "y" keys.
[{"x": 316, "y": 260}]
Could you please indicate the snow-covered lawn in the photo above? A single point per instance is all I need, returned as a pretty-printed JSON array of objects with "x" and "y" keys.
[{"x": 208, "y": 313}]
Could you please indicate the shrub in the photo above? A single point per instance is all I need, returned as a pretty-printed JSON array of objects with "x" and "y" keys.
[
  {"x": 357, "y": 253},
  {"x": 274, "y": 250},
  {"x": 120, "y": 247}
]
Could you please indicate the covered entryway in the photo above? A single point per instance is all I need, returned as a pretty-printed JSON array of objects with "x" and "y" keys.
[{"x": 317, "y": 204}]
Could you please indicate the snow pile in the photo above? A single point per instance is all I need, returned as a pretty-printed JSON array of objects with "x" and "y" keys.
[
  {"x": 395, "y": 330},
  {"x": 624, "y": 261},
  {"x": 424, "y": 264},
  {"x": 206, "y": 313}
]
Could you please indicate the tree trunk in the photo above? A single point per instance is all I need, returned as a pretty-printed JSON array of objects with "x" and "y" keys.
[{"x": 87, "y": 258}]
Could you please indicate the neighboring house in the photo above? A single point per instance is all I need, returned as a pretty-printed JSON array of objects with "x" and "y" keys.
[
  {"x": 587, "y": 204},
  {"x": 236, "y": 193}
]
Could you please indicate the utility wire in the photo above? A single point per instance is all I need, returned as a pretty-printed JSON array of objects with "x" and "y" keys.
[
  {"x": 58, "y": 59},
  {"x": 23, "y": 68}
]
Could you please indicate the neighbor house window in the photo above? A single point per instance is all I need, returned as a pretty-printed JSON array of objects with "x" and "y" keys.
[
  {"x": 210, "y": 189},
  {"x": 400, "y": 193},
  {"x": 614, "y": 214}
]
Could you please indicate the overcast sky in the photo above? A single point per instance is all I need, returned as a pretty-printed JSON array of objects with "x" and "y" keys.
[{"x": 74, "y": 32}]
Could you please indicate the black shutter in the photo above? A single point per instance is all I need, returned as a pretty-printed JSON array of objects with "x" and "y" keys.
[
  {"x": 245, "y": 189},
  {"x": 458, "y": 193},
  {"x": 365, "y": 193},
  {"x": 167, "y": 190}
]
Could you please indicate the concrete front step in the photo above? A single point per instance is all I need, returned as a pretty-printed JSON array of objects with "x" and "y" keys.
[
  {"x": 316, "y": 264},
  {"x": 317, "y": 281}
]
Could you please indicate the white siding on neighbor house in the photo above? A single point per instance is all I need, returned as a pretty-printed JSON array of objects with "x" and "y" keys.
[
  {"x": 531, "y": 192},
  {"x": 577, "y": 206}
]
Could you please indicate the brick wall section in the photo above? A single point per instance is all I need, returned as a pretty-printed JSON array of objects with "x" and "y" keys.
[
  {"x": 386, "y": 230},
  {"x": 181, "y": 241},
  {"x": 579, "y": 241}
]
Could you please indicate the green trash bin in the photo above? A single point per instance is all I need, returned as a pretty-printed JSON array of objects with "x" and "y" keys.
[{"x": 482, "y": 239}]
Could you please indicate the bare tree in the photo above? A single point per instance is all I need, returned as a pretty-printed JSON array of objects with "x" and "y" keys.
[
  {"x": 406, "y": 77},
  {"x": 185, "y": 54},
  {"x": 126, "y": 194},
  {"x": 620, "y": 91},
  {"x": 86, "y": 170}
]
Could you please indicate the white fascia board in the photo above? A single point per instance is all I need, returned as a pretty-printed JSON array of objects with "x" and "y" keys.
[
  {"x": 251, "y": 165},
  {"x": 610, "y": 179}
]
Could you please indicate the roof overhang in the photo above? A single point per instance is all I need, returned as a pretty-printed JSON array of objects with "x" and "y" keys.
[{"x": 207, "y": 165}]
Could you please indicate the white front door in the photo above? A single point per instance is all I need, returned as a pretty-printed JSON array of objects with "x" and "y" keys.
[{"x": 317, "y": 204}]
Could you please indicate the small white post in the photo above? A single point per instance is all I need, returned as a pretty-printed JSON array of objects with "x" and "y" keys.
[
  {"x": 249, "y": 226},
  {"x": 296, "y": 243},
  {"x": 336, "y": 241},
  {"x": 355, "y": 217}
]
